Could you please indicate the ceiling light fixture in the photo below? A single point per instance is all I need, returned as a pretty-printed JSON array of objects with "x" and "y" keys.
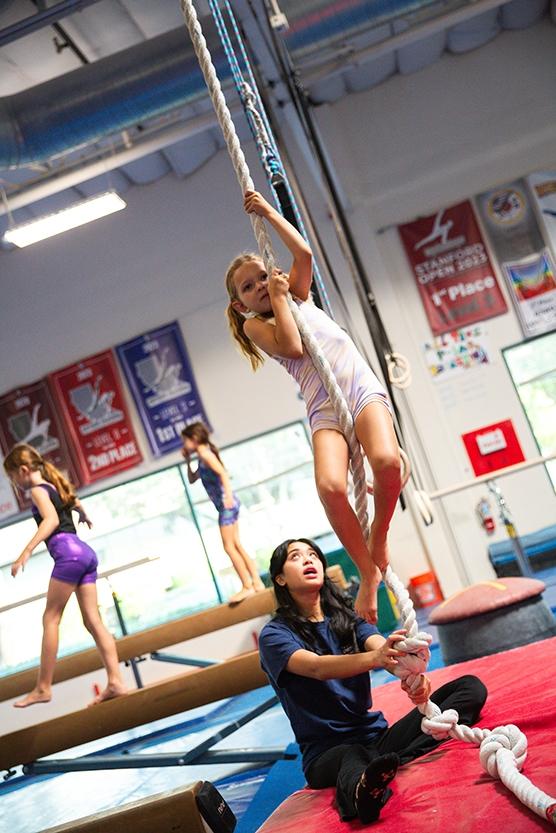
[{"x": 76, "y": 215}]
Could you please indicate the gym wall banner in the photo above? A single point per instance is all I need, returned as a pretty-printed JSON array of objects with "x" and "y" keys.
[
  {"x": 510, "y": 221},
  {"x": 543, "y": 190},
  {"x": 8, "y": 503},
  {"x": 452, "y": 268},
  {"x": 90, "y": 397},
  {"x": 158, "y": 371},
  {"x": 532, "y": 284},
  {"x": 28, "y": 415}
]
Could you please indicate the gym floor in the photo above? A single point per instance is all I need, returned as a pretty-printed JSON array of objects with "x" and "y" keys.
[{"x": 33, "y": 804}]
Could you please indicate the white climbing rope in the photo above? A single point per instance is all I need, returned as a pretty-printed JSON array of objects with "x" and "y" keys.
[{"x": 502, "y": 750}]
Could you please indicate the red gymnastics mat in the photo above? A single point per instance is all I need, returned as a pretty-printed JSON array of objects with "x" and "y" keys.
[{"x": 447, "y": 791}]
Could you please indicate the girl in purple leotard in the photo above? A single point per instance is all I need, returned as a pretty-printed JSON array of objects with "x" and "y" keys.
[
  {"x": 216, "y": 481},
  {"x": 75, "y": 567}
]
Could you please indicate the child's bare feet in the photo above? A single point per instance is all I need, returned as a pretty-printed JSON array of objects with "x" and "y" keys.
[
  {"x": 111, "y": 691},
  {"x": 242, "y": 594},
  {"x": 366, "y": 604},
  {"x": 378, "y": 548},
  {"x": 36, "y": 696}
]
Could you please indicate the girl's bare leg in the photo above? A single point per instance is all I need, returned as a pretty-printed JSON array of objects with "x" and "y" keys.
[
  {"x": 228, "y": 541},
  {"x": 56, "y": 600},
  {"x": 88, "y": 603},
  {"x": 331, "y": 456},
  {"x": 258, "y": 585},
  {"x": 375, "y": 432}
]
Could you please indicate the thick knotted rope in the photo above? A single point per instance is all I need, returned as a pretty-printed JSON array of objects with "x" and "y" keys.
[{"x": 503, "y": 750}]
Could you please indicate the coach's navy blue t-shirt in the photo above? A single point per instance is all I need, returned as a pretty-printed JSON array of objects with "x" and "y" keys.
[{"x": 323, "y": 713}]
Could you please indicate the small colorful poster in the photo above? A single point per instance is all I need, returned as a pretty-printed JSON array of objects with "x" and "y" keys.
[
  {"x": 452, "y": 353},
  {"x": 452, "y": 269},
  {"x": 543, "y": 188},
  {"x": 493, "y": 447},
  {"x": 532, "y": 284},
  {"x": 90, "y": 397},
  {"x": 159, "y": 373},
  {"x": 28, "y": 415},
  {"x": 8, "y": 503}
]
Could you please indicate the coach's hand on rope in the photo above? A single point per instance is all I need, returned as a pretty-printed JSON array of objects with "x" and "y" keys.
[{"x": 420, "y": 691}]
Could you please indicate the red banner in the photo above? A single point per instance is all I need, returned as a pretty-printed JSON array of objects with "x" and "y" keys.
[
  {"x": 90, "y": 397},
  {"x": 28, "y": 415},
  {"x": 454, "y": 275}
]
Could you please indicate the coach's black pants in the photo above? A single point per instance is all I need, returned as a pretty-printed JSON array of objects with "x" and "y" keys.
[{"x": 342, "y": 766}]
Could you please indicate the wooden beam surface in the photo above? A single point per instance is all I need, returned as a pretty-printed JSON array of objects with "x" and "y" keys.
[
  {"x": 175, "y": 810},
  {"x": 188, "y": 691},
  {"x": 153, "y": 639},
  {"x": 144, "y": 642}
]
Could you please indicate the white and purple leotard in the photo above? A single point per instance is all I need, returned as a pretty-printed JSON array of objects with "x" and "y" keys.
[{"x": 357, "y": 381}]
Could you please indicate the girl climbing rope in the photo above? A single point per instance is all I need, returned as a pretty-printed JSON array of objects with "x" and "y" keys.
[{"x": 261, "y": 322}]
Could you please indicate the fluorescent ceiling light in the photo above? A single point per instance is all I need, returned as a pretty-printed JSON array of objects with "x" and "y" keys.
[{"x": 76, "y": 215}]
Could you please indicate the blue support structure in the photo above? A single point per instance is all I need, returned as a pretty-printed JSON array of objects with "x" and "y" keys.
[{"x": 202, "y": 753}]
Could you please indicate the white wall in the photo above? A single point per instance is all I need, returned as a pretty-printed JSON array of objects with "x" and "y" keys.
[
  {"x": 407, "y": 148},
  {"x": 162, "y": 258}
]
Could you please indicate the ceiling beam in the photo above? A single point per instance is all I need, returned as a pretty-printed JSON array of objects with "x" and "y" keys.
[{"x": 47, "y": 17}]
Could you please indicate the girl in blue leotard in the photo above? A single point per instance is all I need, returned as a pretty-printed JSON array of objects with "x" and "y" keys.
[
  {"x": 75, "y": 567},
  {"x": 216, "y": 481}
]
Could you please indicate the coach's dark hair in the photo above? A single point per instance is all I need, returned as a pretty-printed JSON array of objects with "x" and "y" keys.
[{"x": 335, "y": 604}]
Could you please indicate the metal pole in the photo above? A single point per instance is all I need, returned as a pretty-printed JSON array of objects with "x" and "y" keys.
[{"x": 506, "y": 519}]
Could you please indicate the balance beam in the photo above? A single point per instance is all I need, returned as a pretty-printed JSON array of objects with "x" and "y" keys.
[
  {"x": 153, "y": 639},
  {"x": 179, "y": 694},
  {"x": 147, "y": 641},
  {"x": 175, "y": 810}
]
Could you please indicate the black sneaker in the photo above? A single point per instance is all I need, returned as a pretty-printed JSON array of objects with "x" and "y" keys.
[{"x": 372, "y": 791}]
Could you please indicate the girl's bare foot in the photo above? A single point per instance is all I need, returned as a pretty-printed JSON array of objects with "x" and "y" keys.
[
  {"x": 111, "y": 691},
  {"x": 35, "y": 696},
  {"x": 244, "y": 593},
  {"x": 366, "y": 604}
]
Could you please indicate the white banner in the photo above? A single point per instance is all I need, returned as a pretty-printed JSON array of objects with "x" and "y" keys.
[
  {"x": 543, "y": 189},
  {"x": 8, "y": 503},
  {"x": 532, "y": 284}
]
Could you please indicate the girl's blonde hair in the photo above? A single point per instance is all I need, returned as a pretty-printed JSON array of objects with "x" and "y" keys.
[
  {"x": 26, "y": 455},
  {"x": 235, "y": 318}
]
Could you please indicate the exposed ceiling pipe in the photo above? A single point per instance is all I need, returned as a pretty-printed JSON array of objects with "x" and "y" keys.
[
  {"x": 102, "y": 98},
  {"x": 46, "y": 17},
  {"x": 71, "y": 178}
]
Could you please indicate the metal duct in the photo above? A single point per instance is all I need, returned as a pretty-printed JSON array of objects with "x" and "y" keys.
[
  {"x": 162, "y": 74},
  {"x": 101, "y": 98}
]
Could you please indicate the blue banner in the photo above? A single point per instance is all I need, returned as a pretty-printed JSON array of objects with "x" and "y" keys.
[{"x": 158, "y": 371}]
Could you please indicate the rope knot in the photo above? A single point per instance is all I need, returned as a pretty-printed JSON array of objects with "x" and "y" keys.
[
  {"x": 504, "y": 745},
  {"x": 439, "y": 724}
]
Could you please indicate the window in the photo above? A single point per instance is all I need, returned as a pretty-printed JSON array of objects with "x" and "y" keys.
[
  {"x": 532, "y": 366},
  {"x": 158, "y": 539},
  {"x": 273, "y": 477}
]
